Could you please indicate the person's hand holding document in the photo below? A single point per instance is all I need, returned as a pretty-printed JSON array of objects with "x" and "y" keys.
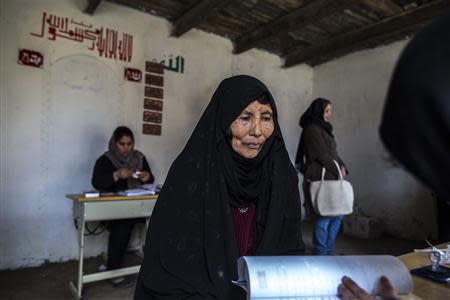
[{"x": 349, "y": 290}]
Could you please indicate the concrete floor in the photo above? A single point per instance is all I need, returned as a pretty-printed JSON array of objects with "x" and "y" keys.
[{"x": 51, "y": 281}]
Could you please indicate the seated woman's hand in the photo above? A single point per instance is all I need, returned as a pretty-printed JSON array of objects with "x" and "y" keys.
[
  {"x": 144, "y": 176},
  {"x": 349, "y": 290},
  {"x": 122, "y": 173}
]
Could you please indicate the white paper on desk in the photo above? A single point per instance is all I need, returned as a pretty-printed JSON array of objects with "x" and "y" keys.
[
  {"x": 136, "y": 192},
  {"x": 285, "y": 277},
  {"x": 153, "y": 187},
  {"x": 91, "y": 194},
  {"x": 145, "y": 189}
]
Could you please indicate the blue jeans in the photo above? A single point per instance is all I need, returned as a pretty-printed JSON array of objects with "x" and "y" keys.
[{"x": 326, "y": 230}]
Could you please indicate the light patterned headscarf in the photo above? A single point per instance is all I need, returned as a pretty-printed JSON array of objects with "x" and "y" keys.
[{"x": 133, "y": 161}]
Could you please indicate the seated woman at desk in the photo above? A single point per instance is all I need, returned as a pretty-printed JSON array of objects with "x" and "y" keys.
[
  {"x": 231, "y": 192},
  {"x": 116, "y": 170}
]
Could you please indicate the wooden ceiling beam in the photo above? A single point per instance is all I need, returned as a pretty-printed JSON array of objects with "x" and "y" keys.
[
  {"x": 387, "y": 7},
  {"x": 197, "y": 14},
  {"x": 379, "y": 40},
  {"x": 91, "y": 6},
  {"x": 348, "y": 42},
  {"x": 300, "y": 17}
]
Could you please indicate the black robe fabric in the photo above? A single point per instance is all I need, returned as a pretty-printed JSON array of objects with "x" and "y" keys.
[
  {"x": 415, "y": 125},
  {"x": 191, "y": 251}
]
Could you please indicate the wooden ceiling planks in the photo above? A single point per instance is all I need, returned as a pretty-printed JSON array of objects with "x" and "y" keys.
[
  {"x": 197, "y": 14},
  {"x": 301, "y": 31},
  {"x": 387, "y": 7},
  {"x": 387, "y": 28},
  {"x": 299, "y": 17}
]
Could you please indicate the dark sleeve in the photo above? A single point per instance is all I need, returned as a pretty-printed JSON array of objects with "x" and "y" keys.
[
  {"x": 318, "y": 149},
  {"x": 102, "y": 176},
  {"x": 146, "y": 167}
]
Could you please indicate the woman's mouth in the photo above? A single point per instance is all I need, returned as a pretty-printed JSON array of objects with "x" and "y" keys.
[{"x": 254, "y": 146}]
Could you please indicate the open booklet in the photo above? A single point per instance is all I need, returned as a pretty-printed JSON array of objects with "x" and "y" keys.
[
  {"x": 145, "y": 189},
  {"x": 317, "y": 277}
]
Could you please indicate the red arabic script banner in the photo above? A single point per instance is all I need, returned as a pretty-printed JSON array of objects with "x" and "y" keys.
[
  {"x": 30, "y": 58},
  {"x": 108, "y": 42}
]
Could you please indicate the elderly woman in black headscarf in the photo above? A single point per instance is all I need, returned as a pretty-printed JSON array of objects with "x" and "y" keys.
[
  {"x": 121, "y": 167},
  {"x": 316, "y": 150},
  {"x": 231, "y": 192}
]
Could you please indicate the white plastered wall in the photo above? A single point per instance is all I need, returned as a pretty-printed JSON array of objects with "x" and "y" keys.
[
  {"x": 357, "y": 85},
  {"x": 35, "y": 218},
  {"x": 56, "y": 121}
]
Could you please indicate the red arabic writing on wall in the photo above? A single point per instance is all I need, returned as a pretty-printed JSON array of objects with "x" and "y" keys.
[{"x": 107, "y": 42}]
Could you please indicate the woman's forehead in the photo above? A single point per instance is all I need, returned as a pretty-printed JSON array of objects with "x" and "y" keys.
[
  {"x": 255, "y": 106},
  {"x": 125, "y": 139}
]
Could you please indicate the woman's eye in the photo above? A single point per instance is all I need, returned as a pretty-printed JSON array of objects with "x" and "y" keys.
[
  {"x": 267, "y": 118},
  {"x": 244, "y": 118}
]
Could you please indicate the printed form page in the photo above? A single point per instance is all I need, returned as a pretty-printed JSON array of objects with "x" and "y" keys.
[{"x": 317, "y": 277}]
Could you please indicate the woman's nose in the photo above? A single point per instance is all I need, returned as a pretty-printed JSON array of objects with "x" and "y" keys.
[{"x": 256, "y": 128}]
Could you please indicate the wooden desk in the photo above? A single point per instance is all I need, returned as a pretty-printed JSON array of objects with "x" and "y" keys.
[
  {"x": 106, "y": 208},
  {"x": 424, "y": 288}
]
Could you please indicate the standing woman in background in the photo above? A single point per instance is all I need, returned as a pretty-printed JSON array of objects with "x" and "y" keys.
[
  {"x": 317, "y": 150},
  {"x": 114, "y": 171}
]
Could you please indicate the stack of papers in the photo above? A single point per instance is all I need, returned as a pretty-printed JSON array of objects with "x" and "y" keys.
[
  {"x": 146, "y": 189},
  {"x": 136, "y": 192}
]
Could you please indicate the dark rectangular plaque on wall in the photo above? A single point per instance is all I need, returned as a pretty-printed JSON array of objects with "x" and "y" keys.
[
  {"x": 30, "y": 58},
  {"x": 133, "y": 74},
  {"x": 154, "y": 80},
  {"x": 153, "y": 104},
  {"x": 153, "y": 92},
  {"x": 154, "y": 67},
  {"x": 151, "y": 129},
  {"x": 152, "y": 116}
]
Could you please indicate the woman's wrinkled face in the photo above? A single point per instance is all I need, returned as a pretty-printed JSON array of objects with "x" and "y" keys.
[
  {"x": 327, "y": 113},
  {"x": 251, "y": 129},
  {"x": 125, "y": 145}
]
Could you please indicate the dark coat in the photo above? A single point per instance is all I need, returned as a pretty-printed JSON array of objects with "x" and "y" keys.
[
  {"x": 102, "y": 177},
  {"x": 320, "y": 150},
  {"x": 415, "y": 125}
]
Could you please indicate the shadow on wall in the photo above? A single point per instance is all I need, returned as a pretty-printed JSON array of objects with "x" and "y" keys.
[{"x": 82, "y": 107}]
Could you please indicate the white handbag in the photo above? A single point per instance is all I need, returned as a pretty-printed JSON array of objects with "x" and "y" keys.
[{"x": 332, "y": 197}]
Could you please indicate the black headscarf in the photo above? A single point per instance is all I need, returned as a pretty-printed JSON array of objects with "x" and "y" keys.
[
  {"x": 416, "y": 121},
  {"x": 313, "y": 115},
  {"x": 191, "y": 247}
]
